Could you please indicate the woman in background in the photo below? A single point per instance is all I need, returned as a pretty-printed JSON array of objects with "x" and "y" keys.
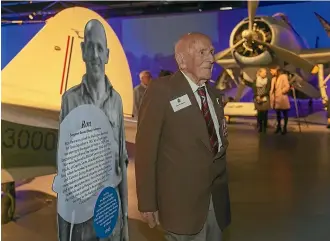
[
  {"x": 279, "y": 99},
  {"x": 261, "y": 89}
]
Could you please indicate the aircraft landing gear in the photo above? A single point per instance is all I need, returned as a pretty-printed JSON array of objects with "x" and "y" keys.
[
  {"x": 227, "y": 119},
  {"x": 8, "y": 201},
  {"x": 322, "y": 85}
]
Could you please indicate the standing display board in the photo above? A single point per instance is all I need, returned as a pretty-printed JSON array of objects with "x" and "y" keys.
[{"x": 86, "y": 163}]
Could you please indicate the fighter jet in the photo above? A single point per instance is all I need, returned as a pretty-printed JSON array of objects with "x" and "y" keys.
[{"x": 262, "y": 41}]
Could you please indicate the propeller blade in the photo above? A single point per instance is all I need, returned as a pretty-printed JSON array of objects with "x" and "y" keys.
[
  {"x": 252, "y": 10},
  {"x": 230, "y": 72},
  {"x": 220, "y": 82},
  {"x": 223, "y": 53},
  {"x": 240, "y": 91},
  {"x": 224, "y": 81},
  {"x": 306, "y": 88},
  {"x": 289, "y": 57}
]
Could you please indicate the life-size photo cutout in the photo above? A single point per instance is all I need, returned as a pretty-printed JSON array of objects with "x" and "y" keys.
[{"x": 91, "y": 180}]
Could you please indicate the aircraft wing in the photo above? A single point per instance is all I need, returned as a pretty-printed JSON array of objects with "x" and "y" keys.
[
  {"x": 228, "y": 62},
  {"x": 30, "y": 116},
  {"x": 317, "y": 56},
  {"x": 29, "y": 141}
]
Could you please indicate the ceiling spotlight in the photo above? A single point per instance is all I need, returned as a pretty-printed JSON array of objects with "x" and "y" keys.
[
  {"x": 226, "y": 8},
  {"x": 31, "y": 16},
  {"x": 17, "y": 21}
]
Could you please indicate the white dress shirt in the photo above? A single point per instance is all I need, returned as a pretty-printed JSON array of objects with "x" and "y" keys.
[{"x": 214, "y": 117}]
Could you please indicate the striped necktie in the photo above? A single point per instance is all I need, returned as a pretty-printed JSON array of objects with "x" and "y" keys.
[{"x": 208, "y": 119}]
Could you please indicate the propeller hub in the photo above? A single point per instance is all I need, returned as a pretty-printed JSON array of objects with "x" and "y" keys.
[
  {"x": 250, "y": 35},
  {"x": 247, "y": 34},
  {"x": 261, "y": 32}
]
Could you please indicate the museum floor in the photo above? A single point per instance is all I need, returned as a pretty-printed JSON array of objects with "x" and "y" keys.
[{"x": 279, "y": 187}]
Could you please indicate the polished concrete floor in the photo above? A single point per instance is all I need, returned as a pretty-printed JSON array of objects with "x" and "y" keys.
[{"x": 279, "y": 188}]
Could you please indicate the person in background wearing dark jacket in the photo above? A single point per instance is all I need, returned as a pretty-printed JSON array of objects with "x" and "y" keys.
[{"x": 261, "y": 88}]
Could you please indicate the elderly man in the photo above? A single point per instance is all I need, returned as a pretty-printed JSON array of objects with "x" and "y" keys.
[
  {"x": 95, "y": 89},
  {"x": 145, "y": 78},
  {"x": 181, "y": 144}
]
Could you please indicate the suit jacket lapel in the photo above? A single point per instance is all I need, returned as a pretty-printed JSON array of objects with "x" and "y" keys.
[{"x": 194, "y": 115}]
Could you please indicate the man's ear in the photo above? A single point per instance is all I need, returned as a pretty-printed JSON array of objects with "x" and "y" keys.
[
  {"x": 180, "y": 60},
  {"x": 82, "y": 46},
  {"x": 107, "y": 58}
]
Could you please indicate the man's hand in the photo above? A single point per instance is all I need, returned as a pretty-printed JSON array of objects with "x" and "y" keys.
[
  {"x": 151, "y": 218},
  {"x": 258, "y": 98}
]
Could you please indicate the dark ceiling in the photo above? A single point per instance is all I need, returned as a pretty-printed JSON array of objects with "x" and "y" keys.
[{"x": 35, "y": 11}]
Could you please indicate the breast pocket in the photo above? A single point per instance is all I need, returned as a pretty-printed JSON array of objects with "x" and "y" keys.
[
  {"x": 115, "y": 124},
  {"x": 114, "y": 119}
]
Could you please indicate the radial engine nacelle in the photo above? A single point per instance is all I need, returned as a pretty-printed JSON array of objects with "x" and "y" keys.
[{"x": 272, "y": 30}]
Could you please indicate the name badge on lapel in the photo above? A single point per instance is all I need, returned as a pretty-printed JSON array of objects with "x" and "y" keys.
[{"x": 180, "y": 103}]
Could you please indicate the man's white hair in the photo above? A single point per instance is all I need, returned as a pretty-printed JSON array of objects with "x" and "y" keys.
[{"x": 142, "y": 73}]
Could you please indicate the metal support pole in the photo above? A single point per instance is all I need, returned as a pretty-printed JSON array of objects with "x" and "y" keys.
[
  {"x": 296, "y": 106},
  {"x": 322, "y": 84},
  {"x": 327, "y": 79}
]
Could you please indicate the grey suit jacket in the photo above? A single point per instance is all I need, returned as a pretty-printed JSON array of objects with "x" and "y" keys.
[{"x": 138, "y": 93}]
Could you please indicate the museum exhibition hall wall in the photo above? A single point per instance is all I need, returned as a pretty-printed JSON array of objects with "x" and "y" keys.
[{"x": 148, "y": 41}]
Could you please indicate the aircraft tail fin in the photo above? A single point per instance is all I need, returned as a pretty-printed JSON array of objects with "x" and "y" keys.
[{"x": 325, "y": 24}]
